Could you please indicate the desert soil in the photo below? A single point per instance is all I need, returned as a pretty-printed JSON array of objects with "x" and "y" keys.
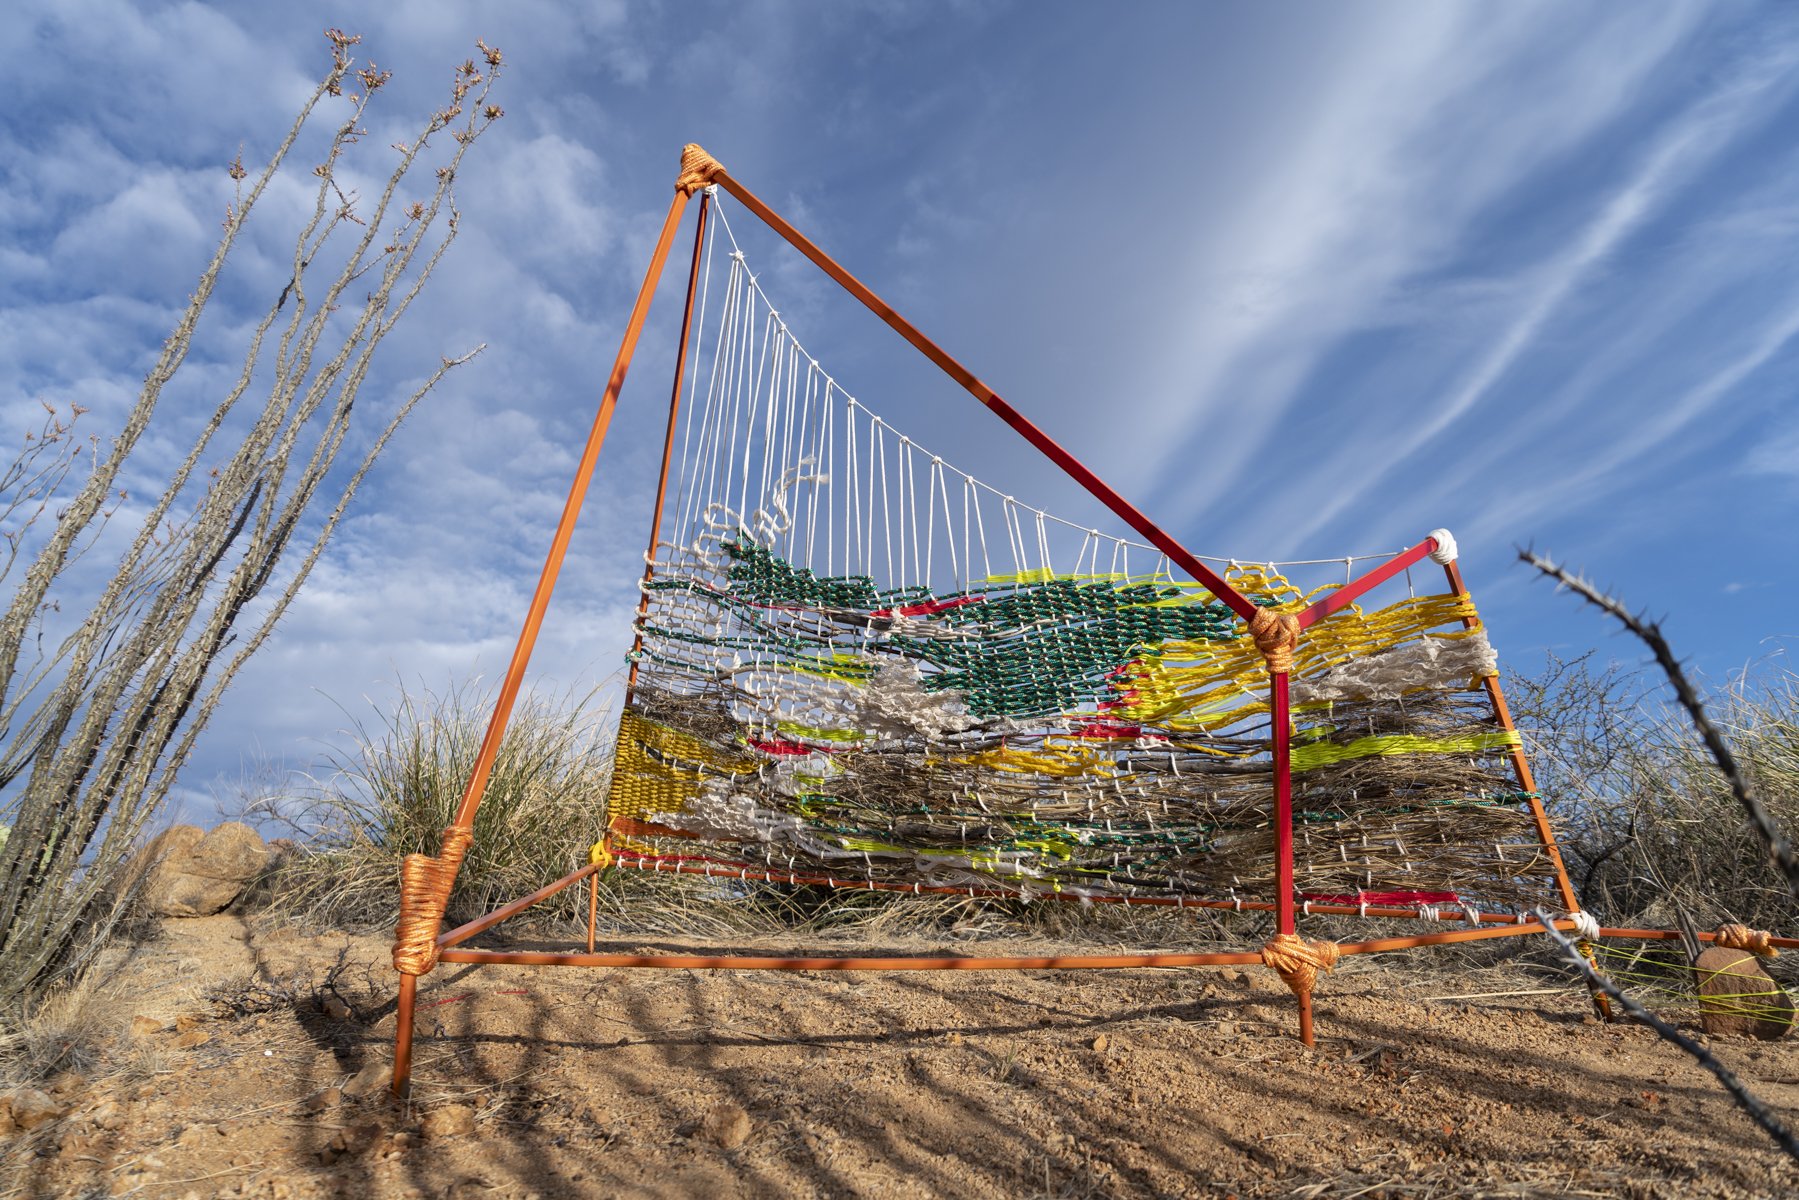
[{"x": 250, "y": 1045}]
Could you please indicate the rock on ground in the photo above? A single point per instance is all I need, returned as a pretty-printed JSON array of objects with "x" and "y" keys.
[
  {"x": 1737, "y": 996},
  {"x": 194, "y": 873}
]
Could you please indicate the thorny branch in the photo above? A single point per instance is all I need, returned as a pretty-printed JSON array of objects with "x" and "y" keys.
[
  {"x": 1779, "y": 850},
  {"x": 1739, "y": 1091}
]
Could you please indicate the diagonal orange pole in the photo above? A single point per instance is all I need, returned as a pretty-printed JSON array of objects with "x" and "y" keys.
[
  {"x": 686, "y": 184},
  {"x": 1053, "y": 450},
  {"x": 565, "y": 529}
]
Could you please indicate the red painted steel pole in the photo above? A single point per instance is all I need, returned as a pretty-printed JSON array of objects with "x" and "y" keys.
[
  {"x": 1283, "y": 802},
  {"x": 1350, "y": 592}
]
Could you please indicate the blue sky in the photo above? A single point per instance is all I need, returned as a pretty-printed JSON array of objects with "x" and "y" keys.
[{"x": 1300, "y": 279}]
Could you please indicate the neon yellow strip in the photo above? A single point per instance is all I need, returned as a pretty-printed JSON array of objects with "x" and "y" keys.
[
  {"x": 1322, "y": 754},
  {"x": 814, "y": 734}
]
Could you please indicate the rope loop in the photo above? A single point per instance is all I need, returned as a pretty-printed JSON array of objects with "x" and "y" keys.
[
  {"x": 424, "y": 894},
  {"x": 1276, "y": 636},
  {"x": 1297, "y": 961},
  {"x": 1758, "y": 942}
]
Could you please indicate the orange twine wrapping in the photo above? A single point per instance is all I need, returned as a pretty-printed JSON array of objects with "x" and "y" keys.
[
  {"x": 424, "y": 894},
  {"x": 1277, "y": 636},
  {"x": 697, "y": 169},
  {"x": 1758, "y": 942},
  {"x": 1298, "y": 961}
]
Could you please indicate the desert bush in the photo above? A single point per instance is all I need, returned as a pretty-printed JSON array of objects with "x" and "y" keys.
[
  {"x": 1649, "y": 822},
  {"x": 394, "y": 793},
  {"x": 106, "y": 683}
]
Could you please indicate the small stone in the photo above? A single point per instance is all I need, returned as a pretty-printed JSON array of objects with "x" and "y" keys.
[
  {"x": 727, "y": 1126},
  {"x": 336, "y": 1009},
  {"x": 31, "y": 1108},
  {"x": 318, "y": 1102},
  {"x": 108, "y": 1115},
  {"x": 67, "y": 1084},
  {"x": 452, "y": 1120},
  {"x": 370, "y": 1079},
  {"x": 142, "y": 1026},
  {"x": 1231, "y": 975},
  {"x": 74, "y": 1143},
  {"x": 1100, "y": 1043},
  {"x": 192, "y": 1038},
  {"x": 187, "y": 1021},
  {"x": 954, "y": 1039},
  {"x": 192, "y": 1136}
]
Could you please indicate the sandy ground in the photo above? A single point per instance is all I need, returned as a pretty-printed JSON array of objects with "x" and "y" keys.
[{"x": 1055, "y": 1084}]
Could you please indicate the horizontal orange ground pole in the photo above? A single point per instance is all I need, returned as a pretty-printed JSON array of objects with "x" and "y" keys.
[
  {"x": 1668, "y": 935},
  {"x": 1064, "y": 962}
]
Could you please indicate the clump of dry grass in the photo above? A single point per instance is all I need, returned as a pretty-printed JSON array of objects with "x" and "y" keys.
[
  {"x": 1649, "y": 822},
  {"x": 395, "y": 793},
  {"x": 66, "y": 1029}
]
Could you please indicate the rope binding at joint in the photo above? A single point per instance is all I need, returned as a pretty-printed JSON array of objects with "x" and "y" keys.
[
  {"x": 425, "y": 884},
  {"x": 1298, "y": 960},
  {"x": 697, "y": 169},
  {"x": 1277, "y": 637}
]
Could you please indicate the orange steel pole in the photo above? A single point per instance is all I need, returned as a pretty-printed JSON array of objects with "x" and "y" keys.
[
  {"x": 1100, "y": 490},
  {"x": 1669, "y": 935},
  {"x": 1602, "y": 1004},
  {"x": 1520, "y": 764},
  {"x": 717, "y": 962},
  {"x": 1065, "y": 962},
  {"x": 565, "y": 529},
  {"x": 463, "y": 933},
  {"x": 668, "y": 450},
  {"x": 402, "y": 1080},
  {"x": 593, "y": 908}
]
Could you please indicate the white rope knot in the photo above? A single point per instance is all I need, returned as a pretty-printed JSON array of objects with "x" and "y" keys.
[
  {"x": 1585, "y": 927},
  {"x": 1444, "y": 554}
]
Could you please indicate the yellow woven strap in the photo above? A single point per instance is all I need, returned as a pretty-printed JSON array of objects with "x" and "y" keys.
[
  {"x": 1758, "y": 942},
  {"x": 600, "y": 855},
  {"x": 1298, "y": 961},
  {"x": 697, "y": 169},
  {"x": 424, "y": 894},
  {"x": 1277, "y": 636}
]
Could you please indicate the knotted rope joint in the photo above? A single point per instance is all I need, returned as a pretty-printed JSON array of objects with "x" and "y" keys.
[
  {"x": 1758, "y": 942},
  {"x": 1276, "y": 636},
  {"x": 697, "y": 169},
  {"x": 424, "y": 894},
  {"x": 1298, "y": 961}
]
